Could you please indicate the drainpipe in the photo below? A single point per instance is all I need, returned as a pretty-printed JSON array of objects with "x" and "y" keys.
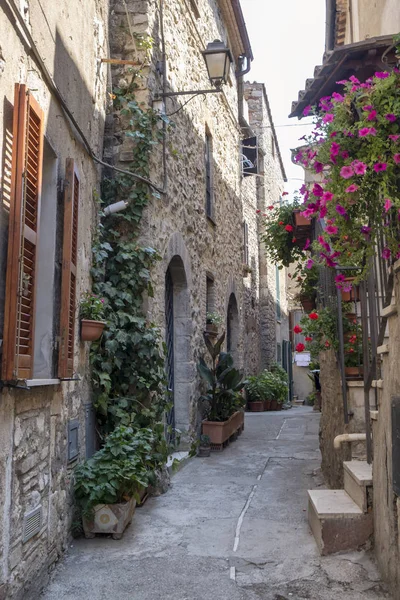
[{"x": 348, "y": 437}]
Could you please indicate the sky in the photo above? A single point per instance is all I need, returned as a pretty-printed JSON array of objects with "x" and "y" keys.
[{"x": 288, "y": 41}]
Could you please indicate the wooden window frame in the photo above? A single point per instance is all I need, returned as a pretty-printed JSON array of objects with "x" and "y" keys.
[{"x": 23, "y": 237}]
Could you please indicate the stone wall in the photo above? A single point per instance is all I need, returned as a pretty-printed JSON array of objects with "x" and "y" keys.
[
  {"x": 34, "y": 467},
  {"x": 193, "y": 246},
  {"x": 386, "y": 502},
  {"x": 269, "y": 191}
]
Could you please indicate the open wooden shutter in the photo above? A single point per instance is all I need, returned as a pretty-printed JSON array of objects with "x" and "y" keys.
[
  {"x": 68, "y": 278},
  {"x": 26, "y": 180}
]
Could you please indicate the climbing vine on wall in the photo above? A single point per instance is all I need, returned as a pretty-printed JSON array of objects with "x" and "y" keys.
[{"x": 128, "y": 364}]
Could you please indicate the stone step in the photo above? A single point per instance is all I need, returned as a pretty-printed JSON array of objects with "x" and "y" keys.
[
  {"x": 389, "y": 311},
  {"x": 384, "y": 349},
  {"x": 357, "y": 478},
  {"x": 337, "y": 522}
]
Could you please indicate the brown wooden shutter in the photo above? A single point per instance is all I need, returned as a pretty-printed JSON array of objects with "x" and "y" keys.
[
  {"x": 26, "y": 180},
  {"x": 68, "y": 278}
]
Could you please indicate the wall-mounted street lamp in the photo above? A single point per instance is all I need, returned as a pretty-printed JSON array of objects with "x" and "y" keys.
[{"x": 218, "y": 59}]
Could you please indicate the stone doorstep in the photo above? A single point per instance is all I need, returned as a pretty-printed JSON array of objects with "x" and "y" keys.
[
  {"x": 389, "y": 311},
  {"x": 357, "y": 480},
  {"x": 336, "y": 522},
  {"x": 333, "y": 504},
  {"x": 360, "y": 471}
]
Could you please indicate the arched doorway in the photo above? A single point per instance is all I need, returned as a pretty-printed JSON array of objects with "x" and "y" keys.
[
  {"x": 232, "y": 327},
  {"x": 178, "y": 327}
]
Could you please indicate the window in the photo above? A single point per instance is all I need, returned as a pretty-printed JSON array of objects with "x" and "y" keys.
[
  {"x": 210, "y": 294},
  {"x": 195, "y": 8},
  {"x": 278, "y": 293},
  {"x": 30, "y": 311},
  {"x": 246, "y": 255},
  {"x": 209, "y": 177},
  {"x": 249, "y": 156}
]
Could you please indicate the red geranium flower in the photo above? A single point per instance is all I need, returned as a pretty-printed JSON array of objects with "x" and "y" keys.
[
  {"x": 288, "y": 227},
  {"x": 281, "y": 223},
  {"x": 297, "y": 329},
  {"x": 313, "y": 316},
  {"x": 308, "y": 339},
  {"x": 327, "y": 344},
  {"x": 300, "y": 347}
]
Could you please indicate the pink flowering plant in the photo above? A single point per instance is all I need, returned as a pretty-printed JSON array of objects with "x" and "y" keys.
[
  {"x": 92, "y": 307},
  {"x": 355, "y": 147}
]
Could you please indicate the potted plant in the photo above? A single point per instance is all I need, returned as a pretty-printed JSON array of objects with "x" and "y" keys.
[
  {"x": 255, "y": 392},
  {"x": 213, "y": 321},
  {"x": 107, "y": 485},
  {"x": 350, "y": 292},
  {"x": 353, "y": 352},
  {"x": 204, "y": 446},
  {"x": 223, "y": 400},
  {"x": 308, "y": 281},
  {"x": 91, "y": 314}
]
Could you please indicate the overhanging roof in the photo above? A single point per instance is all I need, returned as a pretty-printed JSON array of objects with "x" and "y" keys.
[
  {"x": 233, "y": 16},
  {"x": 361, "y": 59}
]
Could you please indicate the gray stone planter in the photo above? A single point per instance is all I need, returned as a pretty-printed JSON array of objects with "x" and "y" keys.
[{"x": 110, "y": 518}]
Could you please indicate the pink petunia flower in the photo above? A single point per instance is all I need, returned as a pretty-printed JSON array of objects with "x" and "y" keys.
[
  {"x": 386, "y": 253},
  {"x": 324, "y": 243},
  {"x": 382, "y": 74},
  {"x": 396, "y": 158},
  {"x": 388, "y": 204},
  {"x": 337, "y": 97},
  {"x": 345, "y": 154},
  {"x": 307, "y": 244},
  {"x": 394, "y": 138},
  {"x": 352, "y": 188},
  {"x": 342, "y": 82},
  {"x": 318, "y": 167},
  {"x": 327, "y": 196},
  {"x": 347, "y": 172},
  {"x": 391, "y": 117},
  {"x": 307, "y": 110},
  {"x": 365, "y": 229},
  {"x": 372, "y": 116},
  {"x": 328, "y": 118},
  {"x": 340, "y": 210},
  {"x": 353, "y": 79},
  {"x": 379, "y": 166},
  {"x": 332, "y": 230},
  {"x": 363, "y": 132},
  {"x": 303, "y": 189},
  {"x": 317, "y": 190},
  {"x": 359, "y": 167},
  {"x": 372, "y": 131},
  {"x": 322, "y": 212},
  {"x": 335, "y": 147},
  {"x": 368, "y": 107},
  {"x": 310, "y": 263}
]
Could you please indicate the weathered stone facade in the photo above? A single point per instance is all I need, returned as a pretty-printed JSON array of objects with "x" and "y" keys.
[
  {"x": 199, "y": 251},
  {"x": 71, "y": 37}
]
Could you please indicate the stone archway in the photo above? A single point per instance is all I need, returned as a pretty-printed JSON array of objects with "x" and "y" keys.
[{"x": 178, "y": 332}]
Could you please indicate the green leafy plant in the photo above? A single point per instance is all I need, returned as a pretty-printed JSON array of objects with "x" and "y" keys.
[
  {"x": 268, "y": 385},
  {"x": 205, "y": 441},
  {"x": 117, "y": 471},
  {"x": 279, "y": 235},
  {"x": 91, "y": 307},
  {"x": 214, "y": 318},
  {"x": 222, "y": 398}
]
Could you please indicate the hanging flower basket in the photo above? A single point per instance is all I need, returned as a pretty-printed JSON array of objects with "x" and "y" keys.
[
  {"x": 300, "y": 220},
  {"x": 352, "y": 295},
  {"x": 91, "y": 330},
  {"x": 307, "y": 303}
]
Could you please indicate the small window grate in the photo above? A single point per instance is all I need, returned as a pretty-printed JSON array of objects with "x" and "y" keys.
[
  {"x": 73, "y": 441},
  {"x": 31, "y": 524}
]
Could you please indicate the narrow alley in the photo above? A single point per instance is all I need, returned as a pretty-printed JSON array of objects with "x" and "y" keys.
[{"x": 232, "y": 526}]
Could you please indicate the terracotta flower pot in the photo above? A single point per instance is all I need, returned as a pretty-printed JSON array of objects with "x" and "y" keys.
[
  {"x": 300, "y": 220},
  {"x": 352, "y": 295},
  {"x": 91, "y": 330},
  {"x": 307, "y": 303},
  {"x": 211, "y": 329},
  {"x": 257, "y": 406},
  {"x": 220, "y": 431},
  {"x": 110, "y": 518},
  {"x": 353, "y": 371}
]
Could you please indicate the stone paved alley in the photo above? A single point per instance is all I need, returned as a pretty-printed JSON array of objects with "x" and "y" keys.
[{"x": 232, "y": 526}]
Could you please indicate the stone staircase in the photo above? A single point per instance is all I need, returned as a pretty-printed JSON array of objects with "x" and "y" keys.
[{"x": 342, "y": 520}]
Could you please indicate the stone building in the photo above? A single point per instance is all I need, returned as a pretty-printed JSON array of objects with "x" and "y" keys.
[
  {"x": 205, "y": 225},
  {"x": 45, "y": 71},
  {"x": 359, "y": 40}
]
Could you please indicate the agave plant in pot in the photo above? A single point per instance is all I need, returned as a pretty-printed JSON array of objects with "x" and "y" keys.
[
  {"x": 223, "y": 400},
  {"x": 91, "y": 314}
]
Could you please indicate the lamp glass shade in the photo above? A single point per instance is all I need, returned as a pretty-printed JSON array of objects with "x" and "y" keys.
[{"x": 218, "y": 60}]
